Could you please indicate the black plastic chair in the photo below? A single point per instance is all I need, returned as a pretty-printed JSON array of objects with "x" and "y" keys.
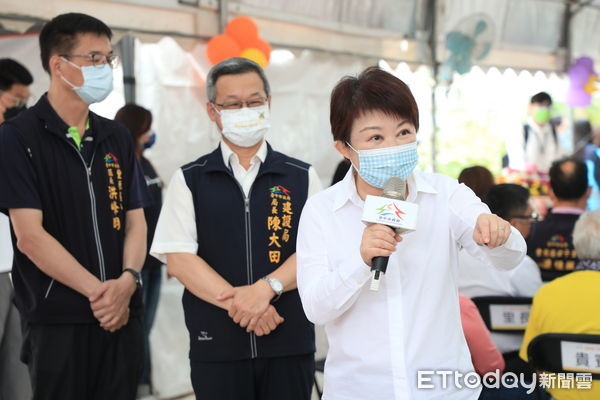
[{"x": 545, "y": 354}]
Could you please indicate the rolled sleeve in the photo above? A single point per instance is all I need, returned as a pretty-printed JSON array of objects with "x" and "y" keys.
[
  {"x": 465, "y": 208},
  {"x": 176, "y": 227},
  {"x": 326, "y": 291},
  {"x": 18, "y": 181}
]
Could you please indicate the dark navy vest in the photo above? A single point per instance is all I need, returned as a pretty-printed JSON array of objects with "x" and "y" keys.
[{"x": 244, "y": 239}]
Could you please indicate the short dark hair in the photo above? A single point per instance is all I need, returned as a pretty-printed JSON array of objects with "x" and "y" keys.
[
  {"x": 373, "y": 90},
  {"x": 59, "y": 35},
  {"x": 507, "y": 200},
  {"x": 136, "y": 118},
  {"x": 540, "y": 98},
  {"x": 12, "y": 72},
  {"x": 478, "y": 178},
  {"x": 233, "y": 66},
  {"x": 569, "y": 183}
]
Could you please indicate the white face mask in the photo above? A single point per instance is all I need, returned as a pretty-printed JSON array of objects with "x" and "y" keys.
[
  {"x": 245, "y": 127},
  {"x": 97, "y": 82}
]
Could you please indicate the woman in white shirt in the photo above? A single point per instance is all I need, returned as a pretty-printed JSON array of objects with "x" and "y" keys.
[{"x": 380, "y": 340}]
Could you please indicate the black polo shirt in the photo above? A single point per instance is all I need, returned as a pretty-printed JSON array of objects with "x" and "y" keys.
[{"x": 84, "y": 204}]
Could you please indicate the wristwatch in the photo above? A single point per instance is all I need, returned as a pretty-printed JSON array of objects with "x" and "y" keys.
[
  {"x": 276, "y": 285},
  {"x": 136, "y": 275}
]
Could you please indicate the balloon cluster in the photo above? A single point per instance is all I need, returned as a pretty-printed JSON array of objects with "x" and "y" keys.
[
  {"x": 240, "y": 40},
  {"x": 582, "y": 80}
]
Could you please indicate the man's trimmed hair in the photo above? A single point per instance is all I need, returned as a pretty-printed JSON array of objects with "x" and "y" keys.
[
  {"x": 586, "y": 236},
  {"x": 233, "y": 66},
  {"x": 507, "y": 200},
  {"x": 13, "y": 72},
  {"x": 541, "y": 98},
  {"x": 59, "y": 35},
  {"x": 569, "y": 179}
]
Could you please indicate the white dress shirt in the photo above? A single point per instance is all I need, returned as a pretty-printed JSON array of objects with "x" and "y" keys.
[
  {"x": 176, "y": 227},
  {"x": 6, "y": 250},
  {"x": 379, "y": 340},
  {"x": 476, "y": 279}
]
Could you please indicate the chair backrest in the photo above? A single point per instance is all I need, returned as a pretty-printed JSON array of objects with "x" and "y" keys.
[
  {"x": 504, "y": 314},
  {"x": 565, "y": 352}
]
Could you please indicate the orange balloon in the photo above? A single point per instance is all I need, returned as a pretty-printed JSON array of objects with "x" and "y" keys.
[
  {"x": 255, "y": 55},
  {"x": 221, "y": 47},
  {"x": 243, "y": 30},
  {"x": 263, "y": 46}
]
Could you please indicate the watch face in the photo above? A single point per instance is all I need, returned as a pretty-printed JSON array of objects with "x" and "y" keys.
[{"x": 277, "y": 286}]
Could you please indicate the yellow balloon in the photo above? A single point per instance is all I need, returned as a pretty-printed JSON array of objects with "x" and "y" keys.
[
  {"x": 255, "y": 55},
  {"x": 590, "y": 86}
]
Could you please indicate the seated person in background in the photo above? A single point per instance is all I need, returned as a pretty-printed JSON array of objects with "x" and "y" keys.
[
  {"x": 550, "y": 244},
  {"x": 478, "y": 178},
  {"x": 570, "y": 304},
  {"x": 484, "y": 354},
  {"x": 511, "y": 203}
]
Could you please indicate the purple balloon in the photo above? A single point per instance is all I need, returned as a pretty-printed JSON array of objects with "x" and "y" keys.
[
  {"x": 585, "y": 62},
  {"x": 578, "y": 97},
  {"x": 578, "y": 75}
]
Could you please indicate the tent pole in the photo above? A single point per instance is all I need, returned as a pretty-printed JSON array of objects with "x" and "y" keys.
[
  {"x": 127, "y": 50},
  {"x": 223, "y": 15},
  {"x": 431, "y": 24}
]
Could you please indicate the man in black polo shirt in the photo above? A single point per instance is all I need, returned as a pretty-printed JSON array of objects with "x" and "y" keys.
[
  {"x": 74, "y": 191},
  {"x": 227, "y": 231},
  {"x": 550, "y": 243}
]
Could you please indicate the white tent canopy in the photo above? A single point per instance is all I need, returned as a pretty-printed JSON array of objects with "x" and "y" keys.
[{"x": 529, "y": 33}]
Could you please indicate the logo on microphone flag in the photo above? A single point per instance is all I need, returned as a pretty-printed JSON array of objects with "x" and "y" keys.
[
  {"x": 390, "y": 209},
  {"x": 391, "y": 212}
]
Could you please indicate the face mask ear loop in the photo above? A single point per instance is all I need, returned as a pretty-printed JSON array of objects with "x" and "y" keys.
[
  {"x": 356, "y": 151},
  {"x": 63, "y": 77}
]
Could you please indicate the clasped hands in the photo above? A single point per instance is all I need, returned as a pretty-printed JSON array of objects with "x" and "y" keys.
[
  {"x": 110, "y": 302},
  {"x": 249, "y": 306}
]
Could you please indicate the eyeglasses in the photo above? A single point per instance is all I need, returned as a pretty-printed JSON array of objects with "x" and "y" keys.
[
  {"x": 236, "y": 105},
  {"x": 98, "y": 60},
  {"x": 17, "y": 101},
  {"x": 528, "y": 218}
]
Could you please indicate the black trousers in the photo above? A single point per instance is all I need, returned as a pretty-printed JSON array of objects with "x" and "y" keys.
[
  {"x": 77, "y": 362},
  {"x": 281, "y": 378}
]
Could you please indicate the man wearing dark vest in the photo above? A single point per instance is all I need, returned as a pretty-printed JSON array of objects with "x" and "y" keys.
[
  {"x": 227, "y": 231},
  {"x": 74, "y": 191},
  {"x": 550, "y": 243}
]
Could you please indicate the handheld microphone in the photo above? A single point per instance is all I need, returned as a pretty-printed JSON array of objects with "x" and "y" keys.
[{"x": 395, "y": 188}]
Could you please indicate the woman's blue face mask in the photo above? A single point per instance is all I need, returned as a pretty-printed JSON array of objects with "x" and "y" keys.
[{"x": 379, "y": 165}]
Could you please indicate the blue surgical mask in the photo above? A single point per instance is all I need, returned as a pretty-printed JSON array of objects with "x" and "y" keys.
[
  {"x": 150, "y": 142},
  {"x": 379, "y": 165},
  {"x": 97, "y": 82}
]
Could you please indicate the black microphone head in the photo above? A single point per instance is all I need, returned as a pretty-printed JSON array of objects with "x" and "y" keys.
[{"x": 395, "y": 188}]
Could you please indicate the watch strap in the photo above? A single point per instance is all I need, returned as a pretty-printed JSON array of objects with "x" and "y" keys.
[
  {"x": 136, "y": 275},
  {"x": 271, "y": 282}
]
